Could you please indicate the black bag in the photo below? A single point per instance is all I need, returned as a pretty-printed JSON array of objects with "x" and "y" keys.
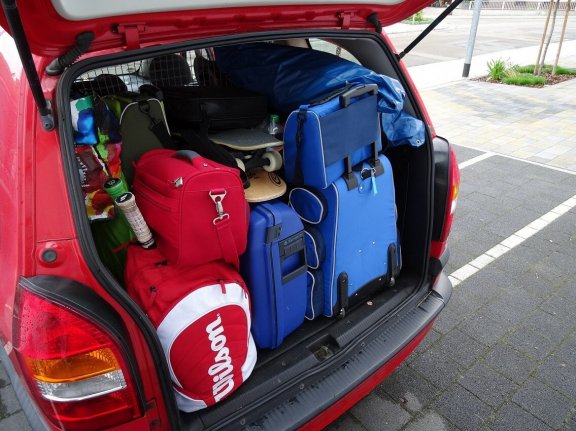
[
  {"x": 189, "y": 139},
  {"x": 208, "y": 75},
  {"x": 214, "y": 108}
]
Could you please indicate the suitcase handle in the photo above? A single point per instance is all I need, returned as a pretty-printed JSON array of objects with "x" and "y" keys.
[
  {"x": 289, "y": 247},
  {"x": 356, "y": 92},
  {"x": 298, "y": 271},
  {"x": 188, "y": 155}
]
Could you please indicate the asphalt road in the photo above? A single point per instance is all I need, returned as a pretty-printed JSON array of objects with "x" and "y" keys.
[{"x": 495, "y": 33}]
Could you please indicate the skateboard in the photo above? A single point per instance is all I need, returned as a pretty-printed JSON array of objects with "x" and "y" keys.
[
  {"x": 264, "y": 186},
  {"x": 252, "y": 148},
  {"x": 257, "y": 153}
]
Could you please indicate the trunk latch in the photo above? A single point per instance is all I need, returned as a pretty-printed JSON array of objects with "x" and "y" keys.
[
  {"x": 131, "y": 34},
  {"x": 345, "y": 18}
]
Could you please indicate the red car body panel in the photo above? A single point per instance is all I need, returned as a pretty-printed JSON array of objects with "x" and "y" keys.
[
  {"x": 39, "y": 216},
  {"x": 39, "y": 219},
  {"x": 40, "y": 19}
]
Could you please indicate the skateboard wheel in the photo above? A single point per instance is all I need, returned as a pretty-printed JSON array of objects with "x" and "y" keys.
[
  {"x": 240, "y": 164},
  {"x": 274, "y": 161}
]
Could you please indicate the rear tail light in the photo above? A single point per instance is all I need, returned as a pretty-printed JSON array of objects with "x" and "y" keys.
[
  {"x": 439, "y": 244},
  {"x": 74, "y": 367}
]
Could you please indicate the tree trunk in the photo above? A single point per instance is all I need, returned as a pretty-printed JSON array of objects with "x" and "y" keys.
[
  {"x": 546, "y": 23},
  {"x": 561, "y": 38},
  {"x": 541, "y": 65}
]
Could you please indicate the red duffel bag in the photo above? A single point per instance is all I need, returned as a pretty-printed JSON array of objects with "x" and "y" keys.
[
  {"x": 202, "y": 317},
  {"x": 195, "y": 206}
]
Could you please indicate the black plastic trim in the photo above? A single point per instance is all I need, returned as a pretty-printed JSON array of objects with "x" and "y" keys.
[
  {"x": 315, "y": 395},
  {"x": 443, "y": 288},
  {"x": 437, "y": 265},
  {"x": 441, "y": 184}
]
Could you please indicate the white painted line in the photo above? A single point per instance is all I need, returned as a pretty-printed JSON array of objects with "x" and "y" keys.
[
  {"x": 543, "y": 165},
  {"x": 464, "y": 272},
  {"x": 475, "y": 160},
  {"x": 550, "y": 217},
  {"x": 526, "y": 232},
  {"x": 538, "y": 224},
  {"x": 497, "y": 251},
  {"x": 481, "y": 261},
  {"x": 561, "y": 209},
  {"x": 511, "y": 242},
  {"x": 453, "y": 280}
]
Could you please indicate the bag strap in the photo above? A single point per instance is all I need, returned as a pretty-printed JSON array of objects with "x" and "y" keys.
[
  {"x": 227, "y": 243},
  {"x": 223, "y": 229},
  {"x": 156, "y": 126},
  {"x": 301, "y": 118}
]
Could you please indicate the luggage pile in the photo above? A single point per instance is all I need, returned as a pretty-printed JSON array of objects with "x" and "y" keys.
[{"x": 259, "y": 224}]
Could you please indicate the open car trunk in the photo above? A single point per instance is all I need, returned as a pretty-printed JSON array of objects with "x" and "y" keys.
[{"x": 320, "y": 348}]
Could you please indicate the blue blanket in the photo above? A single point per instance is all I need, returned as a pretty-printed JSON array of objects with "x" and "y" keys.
[{"x": 291, "y": 77}]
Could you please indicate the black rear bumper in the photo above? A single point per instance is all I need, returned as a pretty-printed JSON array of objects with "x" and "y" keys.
[{"x": 313, "y": 396}]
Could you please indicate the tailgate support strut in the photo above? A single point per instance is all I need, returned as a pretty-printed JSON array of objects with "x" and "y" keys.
[
  {"x": 428, "y": 29},
  {"x": 19, "y": 36}
]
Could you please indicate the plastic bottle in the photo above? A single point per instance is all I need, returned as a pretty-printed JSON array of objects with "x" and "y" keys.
[{"x": 274, "y": 126}]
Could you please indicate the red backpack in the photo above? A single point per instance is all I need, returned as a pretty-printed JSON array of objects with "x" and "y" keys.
[
  {"x": 195, "y": 206},
  {"x": 202, "y": 317}
]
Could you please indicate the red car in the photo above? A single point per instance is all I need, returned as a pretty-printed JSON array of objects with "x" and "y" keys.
[{"x": 80, "y": 353}]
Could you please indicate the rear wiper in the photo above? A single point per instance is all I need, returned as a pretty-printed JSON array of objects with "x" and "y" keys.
[{"x": 428, "y": 29}]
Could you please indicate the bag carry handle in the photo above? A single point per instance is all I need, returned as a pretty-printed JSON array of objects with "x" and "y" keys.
[
  {"x": 188, "y": 155},
  {"x": 357, "y": 92},
  {"x": 223, "y": 228}
]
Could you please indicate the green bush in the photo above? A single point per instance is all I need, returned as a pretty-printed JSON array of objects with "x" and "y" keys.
[
  {"x": 523, "y": 79},
  {"x": 497, "y": 69},
  {"x": 419, "y": 16},
  {"x": 547, "y": 68},
  {"x": 524, "y": 69},
  {"x": 501, "y": 71},
  {"x": 565, "y": 71}
]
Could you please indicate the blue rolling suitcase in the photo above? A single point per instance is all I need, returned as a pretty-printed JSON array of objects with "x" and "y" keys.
[
  {"x": 274, "y": 268},
  {"x": 357, "y": 233},
  {"x": 345, "y": 194}
]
